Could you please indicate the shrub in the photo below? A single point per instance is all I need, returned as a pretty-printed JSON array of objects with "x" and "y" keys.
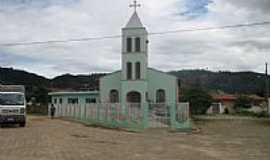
[
  {"x": 199, "y": 100},
  {"x": 242, "y": 102},
  {"x": 262, "y": 114}
]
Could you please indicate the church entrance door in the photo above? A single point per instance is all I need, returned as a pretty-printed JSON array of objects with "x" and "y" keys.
[
  {"x": 134, "y": 97},
  {"x": 134, "y": 104}
]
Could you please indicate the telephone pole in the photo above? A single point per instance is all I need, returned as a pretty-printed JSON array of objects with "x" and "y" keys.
[
  {"x": 267, "y": 87},
  {"x": 1, "y": 77}
]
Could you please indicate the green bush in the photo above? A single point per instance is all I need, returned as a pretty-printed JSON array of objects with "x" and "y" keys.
[
  {"x": 242, "y": 102},
  {"x": 245, "y": 113},
  {"x": 262, "y": 114},
  {"x": 199, "y": 100}
]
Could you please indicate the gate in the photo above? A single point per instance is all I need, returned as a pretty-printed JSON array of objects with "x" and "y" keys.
[{"x": 159, "y": 115}]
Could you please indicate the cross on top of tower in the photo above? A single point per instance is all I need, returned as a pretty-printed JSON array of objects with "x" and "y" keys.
[{"x": 135, "y": 5}]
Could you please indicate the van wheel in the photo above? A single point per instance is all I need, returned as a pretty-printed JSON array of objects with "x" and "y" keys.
[{"x": 22, "y": 124}]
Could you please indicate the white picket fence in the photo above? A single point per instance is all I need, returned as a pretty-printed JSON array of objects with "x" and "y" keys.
[{"x": 152, "y": 115}]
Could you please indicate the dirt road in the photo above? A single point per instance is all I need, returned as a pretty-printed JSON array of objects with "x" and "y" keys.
[{"x": 45, "y": 139}]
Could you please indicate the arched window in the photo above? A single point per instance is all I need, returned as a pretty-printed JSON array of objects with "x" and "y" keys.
[
  {"x": 129, "y": 70},
  {"x": 60, "y": 100},
  {"x": 160, "y": 96},
  {"x": 73, "y": 100},
  {"x": 138, "y": 70},
  {"x": 129, "y": 44},
  {"x": 134, "y": 97},
  {"x": 138, "y": 44},
  {"x": 114, "y": 96},
  {"x": 55, "y": 101}
]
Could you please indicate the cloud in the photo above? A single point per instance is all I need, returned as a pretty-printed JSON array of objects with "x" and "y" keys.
[
  {"x": 41, "y": 20},
  {"x": 251, "y": 5},
  {"x": 20, "y": 5},
  {"x": 254, "y": 44}
]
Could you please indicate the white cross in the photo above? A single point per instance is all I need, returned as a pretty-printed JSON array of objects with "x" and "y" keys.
[{"x": 135, "y": 5}]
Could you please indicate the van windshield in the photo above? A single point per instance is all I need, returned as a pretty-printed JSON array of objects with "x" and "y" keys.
[{"x": 11, "y": 99}]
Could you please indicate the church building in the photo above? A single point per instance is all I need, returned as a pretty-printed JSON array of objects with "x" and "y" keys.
[
  {"x": 136, "y": 82},
  {"x": 135, "y": 96}
]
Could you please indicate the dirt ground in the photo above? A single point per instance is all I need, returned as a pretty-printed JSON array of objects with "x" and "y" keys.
[{"x": 45, "y": 139}]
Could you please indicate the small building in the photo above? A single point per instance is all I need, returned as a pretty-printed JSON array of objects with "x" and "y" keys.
[
  {"x": 216, "y": 108},
  {"x": 225, "y": 104},
  {"x": 80, "y": 97}
]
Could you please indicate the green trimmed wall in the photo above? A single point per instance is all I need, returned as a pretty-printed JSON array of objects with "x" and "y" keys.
[{"x": 81, "y": 96}]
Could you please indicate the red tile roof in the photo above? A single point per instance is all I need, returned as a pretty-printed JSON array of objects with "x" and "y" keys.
[
  {"x": 225, "y": 98},
  {"x": 234, "y": 97}
]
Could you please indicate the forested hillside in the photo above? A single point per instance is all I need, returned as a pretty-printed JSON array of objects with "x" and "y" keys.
[
  {"x": 38, "y": 86},
  {"x": 228, "y": 82}
]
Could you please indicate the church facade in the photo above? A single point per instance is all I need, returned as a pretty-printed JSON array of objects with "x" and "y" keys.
[
  {"x": 136, "y": 82},
  {"x": 135, "y": 96}
]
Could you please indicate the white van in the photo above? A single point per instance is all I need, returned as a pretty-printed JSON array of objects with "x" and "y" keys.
[{"x": 12, "y": 108}]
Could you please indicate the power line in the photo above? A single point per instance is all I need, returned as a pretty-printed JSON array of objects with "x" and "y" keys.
[
  {"x": 215, "y": 28},
  {"x": 119, "y": 36},
  {"x": 58, "y": 41}
]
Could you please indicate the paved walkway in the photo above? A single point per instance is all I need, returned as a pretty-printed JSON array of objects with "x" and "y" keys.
[
  {"x": 45, "y": 139},
  {"x": 229, "y": 117}
]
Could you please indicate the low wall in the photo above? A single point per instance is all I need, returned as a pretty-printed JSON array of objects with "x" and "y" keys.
[{"x": 135, "y": 116}]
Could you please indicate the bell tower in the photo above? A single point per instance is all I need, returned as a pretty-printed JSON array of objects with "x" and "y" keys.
[{"x": 134, "y": 49}]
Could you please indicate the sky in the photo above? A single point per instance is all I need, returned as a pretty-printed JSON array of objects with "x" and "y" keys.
[{"x": 241, "y": 49}]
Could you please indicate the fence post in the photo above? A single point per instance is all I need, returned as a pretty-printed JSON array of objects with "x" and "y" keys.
[
  {"x": 85, "y": 119},
  {"x": 173, "y": 115},
  {"x": 68, "y": 111},
  {"x": 145, "y": 110},
  {"x": 49, "y": 109},
  {"x": 73, "y": 111},
  {"x": 188, "y": 111},
  {"x": 114, "y": 121},
  {"x": 98, "y": 112},
  {"x": 77, "y": 111},
  {"x": 81, "y": 117},
  {"x": 65, "y": 114},
  {"x": 61, "y": 110},
  {"x": 56, "y": 110}
]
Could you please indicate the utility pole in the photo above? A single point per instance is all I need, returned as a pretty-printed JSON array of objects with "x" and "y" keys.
[
  {"x": 267, "y": 87},
  {"x": 1, "y": 77}
]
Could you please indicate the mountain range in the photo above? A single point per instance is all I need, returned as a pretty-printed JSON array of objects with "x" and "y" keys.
[{"x": 228, "y": 82}]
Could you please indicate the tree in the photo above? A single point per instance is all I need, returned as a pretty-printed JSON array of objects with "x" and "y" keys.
[
  {"x": 40, "y": 94},
  {"x": 199, "y": 100},
  {"x": 242, "y": 102}
]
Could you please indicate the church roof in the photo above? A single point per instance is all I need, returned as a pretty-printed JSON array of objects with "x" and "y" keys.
[
  {"x": 134, "y": 21},
  {"x": 73, "y": 93},
  {"x": 163, "y": 72}
]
